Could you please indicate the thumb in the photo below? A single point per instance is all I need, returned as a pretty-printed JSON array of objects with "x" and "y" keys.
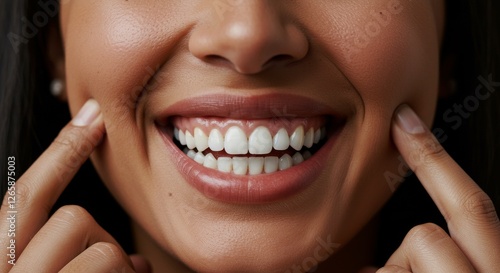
[{"x": 141, "y": 264}]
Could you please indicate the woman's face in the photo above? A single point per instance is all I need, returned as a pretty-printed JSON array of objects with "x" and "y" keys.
[{"x": 244, "y": 78}]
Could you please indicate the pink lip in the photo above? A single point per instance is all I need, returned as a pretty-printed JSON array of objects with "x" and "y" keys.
[
  {"x": 250, "y": 107},
  {"x": 248, "y": 189}
]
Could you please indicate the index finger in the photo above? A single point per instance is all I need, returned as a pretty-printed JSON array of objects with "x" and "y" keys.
[
  {"x": 38, "y": 188},
  {"x": 55, "y": 168},
  {"x": 467, "y": 209}
]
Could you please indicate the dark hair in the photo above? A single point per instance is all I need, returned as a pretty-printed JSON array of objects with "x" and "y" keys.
[{"x": 30, "y": 118}]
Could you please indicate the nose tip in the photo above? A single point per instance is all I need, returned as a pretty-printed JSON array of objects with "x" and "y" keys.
[{"x": 249, "y": 40}]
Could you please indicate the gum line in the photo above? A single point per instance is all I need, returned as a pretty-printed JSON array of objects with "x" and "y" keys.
[{"x": 248, "y": 126}]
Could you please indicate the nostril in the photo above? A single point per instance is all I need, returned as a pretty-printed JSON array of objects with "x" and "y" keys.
[
  {"x": 250, "y": 68},
  {"x": 280, "y": 59},
  {"x": 217, "y": 60},
  {"x": 214, "y": 57}
]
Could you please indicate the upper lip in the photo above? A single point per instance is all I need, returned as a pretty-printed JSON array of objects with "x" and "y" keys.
[{"x": 265, "y": 106}]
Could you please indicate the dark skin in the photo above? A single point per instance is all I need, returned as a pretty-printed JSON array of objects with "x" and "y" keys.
[{"x": 98, "y": 40}]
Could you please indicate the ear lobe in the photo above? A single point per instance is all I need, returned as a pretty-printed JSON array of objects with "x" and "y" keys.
[{"x": 56, "y": 58}]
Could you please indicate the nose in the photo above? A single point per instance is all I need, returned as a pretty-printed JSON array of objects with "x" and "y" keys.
[{"x": 248, "y": 36}]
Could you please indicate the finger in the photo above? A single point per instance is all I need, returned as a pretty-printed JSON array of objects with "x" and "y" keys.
[
  {"x": 68, "y": 233},
  {"x": 141, "y": 264},
  {"x": 54, "y": 169},
  {"x": 428, "y": 248},
  {"x": 37, "y": 190},
  {"x": 99, "y": 258},
  {"x": 472, "y": 220},
  {"x": 392, "y": 269}
]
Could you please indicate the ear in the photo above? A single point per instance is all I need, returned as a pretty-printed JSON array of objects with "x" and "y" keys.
[{"x": 56, "y": 59}]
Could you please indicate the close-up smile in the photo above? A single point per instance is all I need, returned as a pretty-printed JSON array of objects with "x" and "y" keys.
[
  {"x": 250, "y": 136},
  {"x": 239, "y": 154}
]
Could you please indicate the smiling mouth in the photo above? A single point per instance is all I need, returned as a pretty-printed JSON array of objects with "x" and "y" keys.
[
  {"x": 249, "y": 147},
  {"x": 241, "y": 150}
]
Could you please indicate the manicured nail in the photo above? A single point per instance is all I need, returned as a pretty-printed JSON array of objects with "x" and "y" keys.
[
  {"x": 408, "y": 120},
  {"x": 87, "y": 114}
]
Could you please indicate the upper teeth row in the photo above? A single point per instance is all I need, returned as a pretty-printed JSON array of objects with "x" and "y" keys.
[{"x": 260, "y": 141}]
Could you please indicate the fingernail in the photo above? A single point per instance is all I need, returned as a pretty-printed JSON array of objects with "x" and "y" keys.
[
  {"x": 408, "y": 120},
  {"x": 87, "y": 114}
]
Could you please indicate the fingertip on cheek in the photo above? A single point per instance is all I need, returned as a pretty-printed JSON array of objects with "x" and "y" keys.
[
  {"x": 89, "y": 112},
  {"x": 406, "y": 119}
]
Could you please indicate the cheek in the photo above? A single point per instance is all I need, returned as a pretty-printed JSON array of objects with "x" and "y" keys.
[
  {"x": 112, "y": 51},
  {"x": 398, "y": 62},
  {"x": 389, "y": 52},
  {"x": 390, "y": 56}
]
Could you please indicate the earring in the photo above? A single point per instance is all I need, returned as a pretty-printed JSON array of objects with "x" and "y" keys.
[{"x": 57, "y": 87}]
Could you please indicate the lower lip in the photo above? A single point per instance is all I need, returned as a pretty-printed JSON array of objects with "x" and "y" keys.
[{"x": 250, "y": 189}]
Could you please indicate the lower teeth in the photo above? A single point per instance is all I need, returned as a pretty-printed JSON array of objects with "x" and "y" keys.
[{"x": 248, "y": 165}]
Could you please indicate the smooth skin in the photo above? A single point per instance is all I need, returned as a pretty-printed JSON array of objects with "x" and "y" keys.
[
  {"x": 71, "y": 241},
  {"x": 111, "y": 48},
  {"x": 185, "y": 49}
]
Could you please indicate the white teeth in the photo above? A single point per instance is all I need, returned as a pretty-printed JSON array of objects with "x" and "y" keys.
[
  {"x": 235, "y": 141},
  {"x": 240, "y": 165},
  {"x": 199, "y": 157},
  {"x": 182, "y": 137},
  {"x": 255, "y": 165},
  {"x": 247, "y": 165},
  {"x": 297, "y": 158},
  {"x": 260, "y": 141},
  {"x": 281, "y": 140},
  {"x": 225, "y": 164},
  {"x": 191, "y": 154},
  {"x": 286, "y": 162},
  {"x": 297, "y": 138},
  {"x": 176, "y": 133},
  {"x": 216, "y": 140},
  {"x": 271, "y": 164},
  {"x": 317, "y": 136},
  {"x": 309, "y": 138},
  {"x": 190, "y": 140},
  {"x": 200, "y": 140},
  {"x": 210, "y": 162}
]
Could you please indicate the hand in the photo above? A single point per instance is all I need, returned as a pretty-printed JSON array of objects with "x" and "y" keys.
[
  {"x": 70, "y": 240},
  {"x": 474, "y": 241}
]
